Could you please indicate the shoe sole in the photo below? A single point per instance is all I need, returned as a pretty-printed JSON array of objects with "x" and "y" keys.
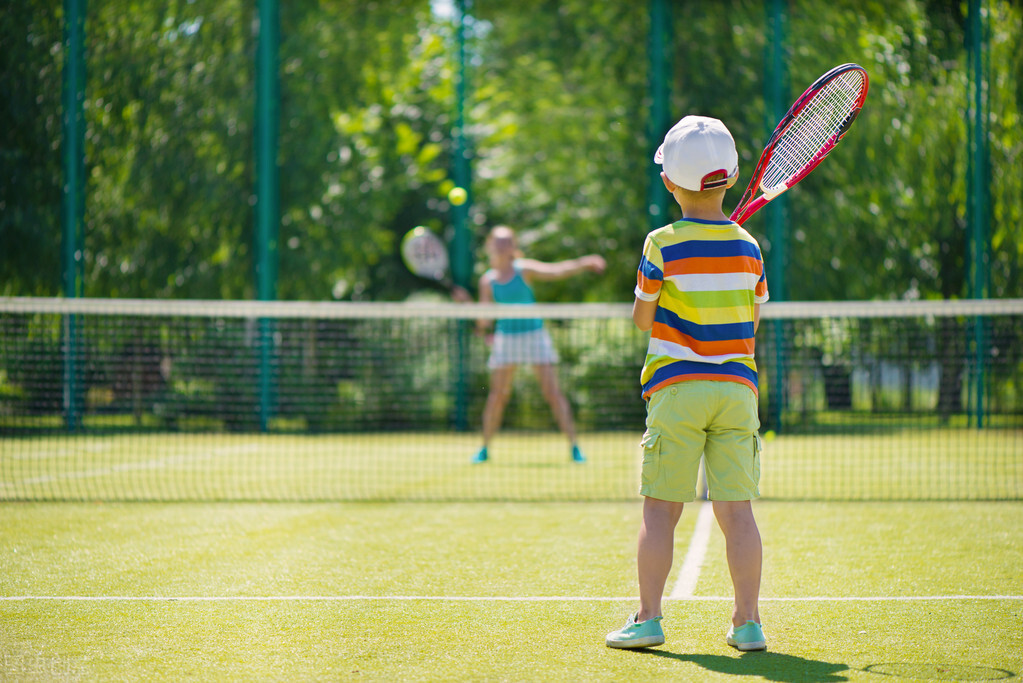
[
  {"x": 647, "y": 641},
  {"x": 747, "y": 647}
]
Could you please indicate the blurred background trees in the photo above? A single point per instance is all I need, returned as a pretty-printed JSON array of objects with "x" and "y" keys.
[{"x": 557, "y": 119}]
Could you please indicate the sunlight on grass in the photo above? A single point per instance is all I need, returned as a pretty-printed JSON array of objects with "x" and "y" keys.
[
  {"x": 452, "y": 555},
  {"x": 906, "y": 464}
]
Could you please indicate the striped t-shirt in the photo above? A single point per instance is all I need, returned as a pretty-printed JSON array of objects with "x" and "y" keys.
[{"x": 706, "y": 277}]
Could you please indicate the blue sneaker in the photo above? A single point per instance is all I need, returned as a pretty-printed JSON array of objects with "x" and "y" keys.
[
  {"x": 481, "y": 456},
  {"x": 577, "y": 455},
  {"x": 637, "y": 634},
  {"x": 747, "y": 637}
]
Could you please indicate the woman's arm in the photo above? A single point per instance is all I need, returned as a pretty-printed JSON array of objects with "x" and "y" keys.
[
  {"x": 486, "y": 297},
  {"x": 559, "y": 270}
]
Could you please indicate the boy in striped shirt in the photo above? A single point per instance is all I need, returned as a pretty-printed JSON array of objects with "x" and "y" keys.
[{"x": 699, "y": 289}]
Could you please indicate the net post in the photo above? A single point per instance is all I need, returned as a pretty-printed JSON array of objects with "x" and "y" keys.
[
  {"x": 267, "y": 190},
  {"x": 74, "y": 193}
]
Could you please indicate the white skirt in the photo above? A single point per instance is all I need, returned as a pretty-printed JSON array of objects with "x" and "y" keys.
[{"x": 522, "y": 348}]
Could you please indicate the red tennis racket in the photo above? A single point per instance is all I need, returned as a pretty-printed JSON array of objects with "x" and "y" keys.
[{"x": 806, "y": 134}]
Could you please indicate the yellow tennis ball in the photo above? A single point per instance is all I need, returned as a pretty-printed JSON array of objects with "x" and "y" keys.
[
  {"x": 769, "y": 435},
  {"x": 457, "y": 196}
]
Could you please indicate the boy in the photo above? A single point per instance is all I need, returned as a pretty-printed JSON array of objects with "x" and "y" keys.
[{"x": 699, "y": 289}]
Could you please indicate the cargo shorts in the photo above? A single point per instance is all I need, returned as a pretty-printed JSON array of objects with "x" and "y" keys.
[{"x": 715, "y": 420}]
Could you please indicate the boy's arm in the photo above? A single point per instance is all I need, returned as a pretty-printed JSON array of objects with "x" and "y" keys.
[
  {"x": 558, "y": 270},
  {"x": 643, "y": 313},
  {"x": 756, "y": 317}
]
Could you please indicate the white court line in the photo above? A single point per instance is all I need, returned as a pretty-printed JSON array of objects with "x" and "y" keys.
[
  {"x": 478, "y": 598},
  {"x": 689, "y": 574}
]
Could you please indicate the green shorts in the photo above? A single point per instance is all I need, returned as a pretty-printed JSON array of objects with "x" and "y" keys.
[{"x": 716, "y": 420}]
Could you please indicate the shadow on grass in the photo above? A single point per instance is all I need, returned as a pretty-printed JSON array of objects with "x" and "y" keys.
[
  {"x": 771, "y": 666},
  {"x": 940, "y": 672}
]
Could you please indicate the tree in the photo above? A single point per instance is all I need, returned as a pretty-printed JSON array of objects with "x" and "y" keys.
[
  {"x": 30, "y": 177},
  {"x": 366, "y": 123},
  {"x": 559, "y": 119},
  {"x": 169, "y": 150},
  {"x": 557, "y": 114}
]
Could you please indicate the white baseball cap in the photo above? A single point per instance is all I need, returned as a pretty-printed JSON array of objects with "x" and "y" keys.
[{"x": 696, "y": 147}]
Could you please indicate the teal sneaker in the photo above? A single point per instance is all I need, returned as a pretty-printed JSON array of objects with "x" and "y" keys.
[
  {"x": 481, "y": 456},
  {"x": 747, "y": 637},
  {"x": 577, "y": 455},
  {"x": 635, "y": 634}
]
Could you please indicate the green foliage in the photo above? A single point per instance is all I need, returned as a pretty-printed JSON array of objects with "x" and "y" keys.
[
  {"x": 169, "y": 150},
  {"x": 366, "y": 101},
  {"x": 558, "y": 114},
  {"x": 557, "y": 120},
  {"x": 30, "y": 180}
]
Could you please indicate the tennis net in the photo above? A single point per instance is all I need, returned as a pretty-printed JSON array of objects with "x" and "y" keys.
[{"x": 244, "y": 400}]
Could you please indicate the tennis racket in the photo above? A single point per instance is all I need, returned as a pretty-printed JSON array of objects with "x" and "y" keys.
[
  {"x": 425, "y": 255},
  {"x": 806, "y": 134}
]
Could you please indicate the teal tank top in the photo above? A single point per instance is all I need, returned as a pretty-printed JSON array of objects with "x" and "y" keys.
[{"x": 515, "y": 291}]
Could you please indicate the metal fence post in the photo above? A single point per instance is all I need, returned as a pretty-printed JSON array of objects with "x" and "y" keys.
[
  {"x": 461, "y": 247},
  {"x": 659, "y": 89},
  {"x": 775, "y": 78},
  {"x": 267, "y": 192},
  {"x": 977, "y": 201},
  {"x": 73, "y": 200}
]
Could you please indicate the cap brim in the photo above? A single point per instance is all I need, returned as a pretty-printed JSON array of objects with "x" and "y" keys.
[{"x": 659, "y": 155}]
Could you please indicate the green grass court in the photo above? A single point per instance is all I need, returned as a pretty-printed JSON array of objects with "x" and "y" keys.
[
  {"x": 496, "y": 591},
  {"x": 405, "y": 581},
  {"x": 883, "y": 464}
]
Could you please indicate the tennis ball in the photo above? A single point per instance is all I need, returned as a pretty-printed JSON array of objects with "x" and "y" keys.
[
  {"x": 769, "y": 435},
  {"x": 457, "y": 196}
]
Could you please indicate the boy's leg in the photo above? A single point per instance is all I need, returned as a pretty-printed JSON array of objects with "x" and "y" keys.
[
  {"x": 744, "y": 551},
  {"x": 654, "y": 556},
  {"x": 733, "y": 476}
]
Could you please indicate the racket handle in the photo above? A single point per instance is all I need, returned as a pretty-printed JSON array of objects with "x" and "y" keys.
[{"x": 742, "y": 213}]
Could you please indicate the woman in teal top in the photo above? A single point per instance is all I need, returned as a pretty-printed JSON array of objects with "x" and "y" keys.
[
  {"x": 514, "y": 291},
  {"x": 523, "y": 341}
]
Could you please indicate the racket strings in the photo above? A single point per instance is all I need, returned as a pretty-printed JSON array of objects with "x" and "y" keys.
[
  {"x": 425, "y": 255},
  {"x": 815, "y": 128}
]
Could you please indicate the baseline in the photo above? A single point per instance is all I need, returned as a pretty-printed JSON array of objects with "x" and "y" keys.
[{"x": 484, "y": 598}]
